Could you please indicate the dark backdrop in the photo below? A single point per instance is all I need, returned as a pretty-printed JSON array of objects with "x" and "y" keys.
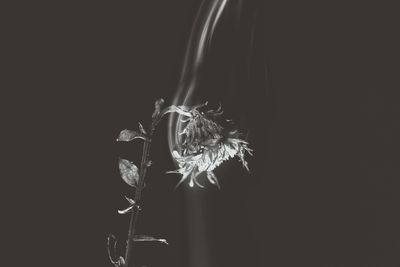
[{"x": 319, "y": 102}]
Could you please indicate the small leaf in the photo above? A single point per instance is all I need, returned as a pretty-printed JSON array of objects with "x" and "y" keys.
[
  {"x": 149, "y": 163},
  {"x": 157, "y": 107},
  {"x": 132, "y": 204},
  {"x": 142, "y": 130},
  {"x": 144, "y": 238},
  {"x": 128, "y": 135},
  {"x": 131, "y": 201},
  {"x": 129, "y": 172},
  {"x": 125, "y": 211}
]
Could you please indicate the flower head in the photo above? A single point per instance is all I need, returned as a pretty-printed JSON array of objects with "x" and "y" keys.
[{"x": 206, "y": 144}]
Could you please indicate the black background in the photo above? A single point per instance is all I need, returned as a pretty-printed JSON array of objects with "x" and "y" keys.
[{"x": 324, "y": 122}]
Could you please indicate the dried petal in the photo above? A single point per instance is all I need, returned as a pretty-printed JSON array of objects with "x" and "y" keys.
[
  {"x": 129, "y": 172},
  {"x": 213, "y": 179},
  {"x": 121, "y": 261},
  {"x": 182, "y": 110}
]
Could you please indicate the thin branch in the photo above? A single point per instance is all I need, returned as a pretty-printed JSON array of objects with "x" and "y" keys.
[{"x": 138, "y": 194}]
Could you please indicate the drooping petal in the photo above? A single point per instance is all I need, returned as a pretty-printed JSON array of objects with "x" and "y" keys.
[
  {"x": 191, "y": 184},
  {"x": 182, "y": 110},
  {"x": 213, "y": 179},
  {"x": 193, "y": 178}
]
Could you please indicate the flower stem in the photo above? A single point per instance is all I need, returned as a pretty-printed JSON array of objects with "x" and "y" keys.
[{"x": 138, "y": 194}]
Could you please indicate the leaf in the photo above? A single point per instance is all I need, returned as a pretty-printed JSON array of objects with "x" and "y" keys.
[
  {"x": 132, "y": 204},
  {"x": 145, "y": 238},
  {"x": 128, "y": 135},
  {"x": 129, "y": 172},
  {"x": 157, "y": 107},
  {"x": 125, "y": 211},
  {"x": 131, "y": 201}
]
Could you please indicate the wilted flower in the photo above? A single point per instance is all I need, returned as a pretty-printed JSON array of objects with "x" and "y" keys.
[{"x": 206, "y": 144}]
